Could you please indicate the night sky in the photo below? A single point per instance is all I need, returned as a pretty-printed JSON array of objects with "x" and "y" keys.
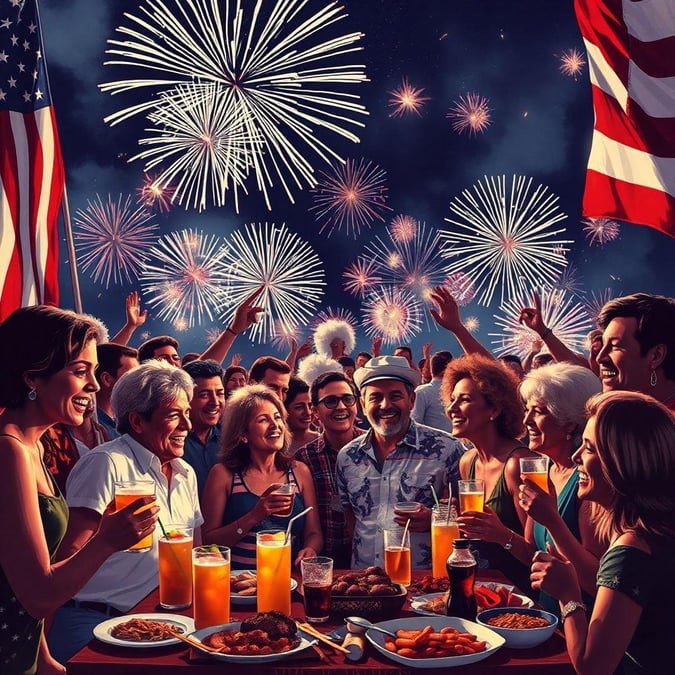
[{"x": 507, "y": 52}]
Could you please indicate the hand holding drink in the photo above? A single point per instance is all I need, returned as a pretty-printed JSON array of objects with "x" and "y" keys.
[
  {"x": 286, "y": 492},
  {"x": 471, "y": 495},
  {"x": 127, "y": 492},
  {"x": 536, "y": 470},
  {"x": 317, "y": 578}
]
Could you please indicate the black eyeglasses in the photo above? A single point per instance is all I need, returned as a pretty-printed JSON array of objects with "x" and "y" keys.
[{"x": 348, "y": 400}]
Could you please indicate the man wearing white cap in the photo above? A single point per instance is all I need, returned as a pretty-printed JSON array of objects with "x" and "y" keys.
[{"x": 398, "y": 460}]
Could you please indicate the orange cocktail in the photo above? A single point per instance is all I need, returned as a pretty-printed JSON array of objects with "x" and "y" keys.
[
  {"x": 536, "y": 470},
  {"x": 175, "y": 567},
  {"x": 127, "y": 492},
  {"x": 397, "y": 559},
  {"x": 273, "y": 569},
  {"x": 444, "y": 531},
  {"x": 211, "y": 585},
  {"x": 471, "y": 495}
]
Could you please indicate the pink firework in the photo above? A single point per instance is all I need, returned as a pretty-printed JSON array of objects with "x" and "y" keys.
[
  {"x": 471, "y": 114},
  {"x": 461, "y": 288},
  {"x": 361, "y": 277},
  {"x": 600, "y": 230},
  {"x": 155, "y": 196},
  {"x": 338, "y": 313},
  {"x": 403, "y": 229},
  {"x": 596, "y": 302},
  {"x": 284, "y": 336},
  {"x": 572, "y": 62},
  {"x": 392, "y": 314},
  {"x": 353, "y": 196},
  {"x": 406, "y": 99}
]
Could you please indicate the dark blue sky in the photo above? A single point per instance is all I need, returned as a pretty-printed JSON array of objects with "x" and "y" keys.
[{"x": 506, "y": 51}]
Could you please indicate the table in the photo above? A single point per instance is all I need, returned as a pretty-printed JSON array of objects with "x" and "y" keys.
[{"x": 549, "y": 658}]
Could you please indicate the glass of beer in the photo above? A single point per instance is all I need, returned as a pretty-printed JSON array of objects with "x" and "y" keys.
[
  {"x": 536, "y": 469},
  {"x": 286, "y": 489},
  {"x": 471, "y": 495},
  {"x": 211, "y": 585},
  {"x": 397, "y": 562},
  {"x": 444, "y": 530},
  {"x": 175, "y": 567},
  {"x": 317, "y": 578},
  {"x": 129, "y": 491},
  {"x": 273, "y": 568}
]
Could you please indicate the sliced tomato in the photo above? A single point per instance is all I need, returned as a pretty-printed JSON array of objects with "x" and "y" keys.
[{"x": 487, "y": 598}]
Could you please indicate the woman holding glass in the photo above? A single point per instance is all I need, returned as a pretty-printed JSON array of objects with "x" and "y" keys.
[{"x": 240, "y": 496}]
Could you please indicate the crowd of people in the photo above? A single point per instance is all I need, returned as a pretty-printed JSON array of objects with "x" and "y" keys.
[{"x": 233, "y": 450}]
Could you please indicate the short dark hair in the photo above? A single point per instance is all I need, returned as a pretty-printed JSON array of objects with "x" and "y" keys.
[
  {"x": 404, "y": 348},
  {"x": 189, "y": 357},
  {"x": 296, "y": 386},
  {"x": 326, "y": 378},
  {"x": 147, "y": 349},
  {"x": 439, "y": 361},
  {"x": 366, "y": 354},
  {"x": 655, "y": 316},
  {"x": 203, "y": 369},
  {"x": 231, "y": 370},
  {"x": 347, "y": 362},
  {"x": 263, "y": 363},
  {"x": 511, "y": 358},
  {"x": 110, "y": 357}
]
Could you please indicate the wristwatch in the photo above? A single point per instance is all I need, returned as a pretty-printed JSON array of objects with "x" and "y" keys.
[
  {"x": 239, "y": 531},
  {"x": 570, "y": 607},
  {"x": 508, "y": 545}
]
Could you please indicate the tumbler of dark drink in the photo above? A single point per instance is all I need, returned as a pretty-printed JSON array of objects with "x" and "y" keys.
[{"x": 317, "y": 578}]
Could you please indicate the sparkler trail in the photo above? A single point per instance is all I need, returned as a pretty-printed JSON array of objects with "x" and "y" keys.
[
  {"x": 505, "y": 237},
  {"x": 113, "y": 239},
  {"x": 186, "y": 277},
  {"x": 406, "y": 99},
  {"x": 361, "y": 277},
  {"x": 600, "y": 230},
  {"x": 282, "y": 66},
  {"x": 471, "y": 114},
  {"x": 392, "y": 314},
  {"x": 284, "y": 266}
]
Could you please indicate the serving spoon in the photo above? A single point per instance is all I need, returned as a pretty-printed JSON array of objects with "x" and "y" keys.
[{"x": 357, "y": 624}]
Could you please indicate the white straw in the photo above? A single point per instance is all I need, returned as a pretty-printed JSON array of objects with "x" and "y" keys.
[
  {"x": 405, "y": 531},
  {"x": 447, "y": 518},
  {"x": 290, "y": 523}
]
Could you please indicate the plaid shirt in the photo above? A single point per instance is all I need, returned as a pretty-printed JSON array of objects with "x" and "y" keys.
[{"x": 320, "y": 458}]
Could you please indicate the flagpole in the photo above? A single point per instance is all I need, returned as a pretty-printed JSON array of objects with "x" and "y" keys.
[{"x": 67, "y": 227}]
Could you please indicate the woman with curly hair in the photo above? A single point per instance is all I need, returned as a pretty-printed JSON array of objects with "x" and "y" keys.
[{"x": 482, "y": 402}]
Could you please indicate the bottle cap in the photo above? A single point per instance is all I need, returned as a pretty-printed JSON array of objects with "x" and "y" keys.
[{"x": 460, "y": 543}]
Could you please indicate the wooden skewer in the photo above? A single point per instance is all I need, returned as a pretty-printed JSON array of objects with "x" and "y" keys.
[
  {"x": 320, "y": 636},
  {"x": 193, "y": 643}
]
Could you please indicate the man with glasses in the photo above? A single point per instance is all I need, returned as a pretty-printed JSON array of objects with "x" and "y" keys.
[
  {"x": 334, "y": 405},
  {"x": 399, "y": 460}
]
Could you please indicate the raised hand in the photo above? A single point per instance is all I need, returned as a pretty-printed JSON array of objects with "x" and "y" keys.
[
  {"x": 247, "y": 313},
  {"x": 532, "y": 317},
  {"x": 135, "y": 317},
  {"x": 127, "y": 526},
  {"x": 446, "y": 313},
  {"x": 236, "y": 359}
]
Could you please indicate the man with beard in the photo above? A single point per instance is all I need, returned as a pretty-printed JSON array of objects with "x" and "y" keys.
[{"x": 398, "y": 460}]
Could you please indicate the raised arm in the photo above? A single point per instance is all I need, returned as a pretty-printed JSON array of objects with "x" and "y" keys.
[
  {"x": 135, "y": 318},
  {"x": 298, "y": 352}
]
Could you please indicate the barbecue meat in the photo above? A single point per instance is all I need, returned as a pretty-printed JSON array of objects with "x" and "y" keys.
[{"x": 275, "y": 624}]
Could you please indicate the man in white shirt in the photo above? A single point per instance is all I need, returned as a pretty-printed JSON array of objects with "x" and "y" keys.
[{"x": 428, "y": 408}]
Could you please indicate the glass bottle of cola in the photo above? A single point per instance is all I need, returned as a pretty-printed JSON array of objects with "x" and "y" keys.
[{"x": 461, "y": 568}]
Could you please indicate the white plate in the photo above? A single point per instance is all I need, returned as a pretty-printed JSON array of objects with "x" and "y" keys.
[
  {"x": 493, "y": 640},
  {"x": 251, "y": 599},
  {"x": 417, "y": 601},
  {"x": 102, "y": 631},
  {"x": 240, "y": 658}
]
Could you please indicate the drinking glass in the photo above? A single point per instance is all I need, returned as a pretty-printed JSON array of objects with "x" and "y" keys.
[
  {"x": 407, "y": 507},
  {"x": 129, "y": 491},
  {"x": 397, "y": 563},
  {"x": 471, "y": 495},
  {"x": 273, "y": 567},
  {"x": 285, "y": 489},
  {"x": 536, "y": 469},
  {"x": 317, "y": 578},
  {"x": 444, "y": 531},
  {"x": 175, "y": 567},
  {"x": 211, "y": 585}
]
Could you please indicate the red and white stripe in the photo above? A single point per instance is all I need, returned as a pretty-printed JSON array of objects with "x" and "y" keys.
[
  {"x": 31, "y": 187},
  {"x": 631, "y": 55}
]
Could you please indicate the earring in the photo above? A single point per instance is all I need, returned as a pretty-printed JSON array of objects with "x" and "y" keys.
[
  {"x": 652, "y": 379},
  {"x": 492, "y": 419},
  {"x": 32, "y": 394}
]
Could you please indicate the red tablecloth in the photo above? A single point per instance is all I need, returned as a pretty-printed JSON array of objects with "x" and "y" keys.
[{"x": 102, "y": 659}]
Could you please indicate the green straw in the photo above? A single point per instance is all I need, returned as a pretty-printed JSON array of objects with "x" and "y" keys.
[
  {"x": 159, "y": 520},
  {"x": 433, "y": 492}
]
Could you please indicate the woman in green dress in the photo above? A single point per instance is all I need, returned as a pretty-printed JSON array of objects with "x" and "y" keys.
[{"x": 626, "y": 463}]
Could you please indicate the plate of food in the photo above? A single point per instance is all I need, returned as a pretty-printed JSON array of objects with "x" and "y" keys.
[
  {"x": 263, "y": 638},
  {"x": 488, "y": 595},
  {"x": 143, "y": 630},
  {"x": 435, "y": 642},
  {"x": 244, "y": 587}
]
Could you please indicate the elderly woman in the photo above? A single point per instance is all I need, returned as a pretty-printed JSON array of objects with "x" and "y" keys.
[
  {"x": 151, "y": 404},
  {"x": 626, "y": 464},
  {"x": 47, "y": 379},
  {"x": 482, "y": 402},
  {"x": 239, "y": 498}
]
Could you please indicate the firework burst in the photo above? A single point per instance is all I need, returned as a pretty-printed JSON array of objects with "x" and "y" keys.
[
  {"x": 572, "y": 62},
  {"x": 570, "y": 281},
  {"x": 567, "y": 319},
  {"x": 212, "y": 334},
  {"x": 406, "y": 99},
  {"x": 284, "y": 337},
  {"x": 472, "y": 324},
  {"x": 283, "y": 267},
  {"x": 338, "y": 314},
  {"x": 392, "y": 314},
  {"x": 155, "y": 196},
  {"x": 361, "y": 277},
  {"x": 596, "y": 302},
  {"x": 600, "y": 230},
  {"x": 461, "y": 288},
  {"x": 113, "y": 239},
  {"x": 186, "y": 278},
  {"x": 351, "y": 196},
  {"x": 470, "y": 114},
  {"x": 505, "y": 237},
  {"x": 289, "y": 84},
  {"x": 403, "y": 228}
]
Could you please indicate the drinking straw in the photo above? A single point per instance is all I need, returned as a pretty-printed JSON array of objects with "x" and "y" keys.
[
  {"x": 447, "y": 519},
  {"x": 435, "y": 496},
  {"x": 290, "y": 523},
  {"x": 161, "y": 526},
  {"x": 405, "y": 532}
]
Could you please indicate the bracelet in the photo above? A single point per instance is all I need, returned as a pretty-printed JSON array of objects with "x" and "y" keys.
[
  {"x": 509, "y": 545},
  {"x": 546, "y": 333},
  {"x": 229, "y": 330}
]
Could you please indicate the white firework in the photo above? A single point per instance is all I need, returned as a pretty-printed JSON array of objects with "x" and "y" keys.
[
  {"x": 472, "y": 324},
  {"x": 506, "y": 237},
  {"x": 338, "y": 313},
  {"x": 568, "y": 320},
  {"x": 185, "y": 277},
  {"x": 283, "y": 267},
  {"x": 361, "y": 277},
  {"x": 290, "y": 82},
  {"x": 597, "y": 301},
  {"x": 393, "y": 314},
  {"x": 284, "y": 337}
]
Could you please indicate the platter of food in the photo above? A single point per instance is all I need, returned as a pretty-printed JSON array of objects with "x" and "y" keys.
[
  {"x": 369, "y": 593},
  {"x": 143, "y": 630},
  {"x": 244, "y": 587},
  {"x": 263, "y": 638}
]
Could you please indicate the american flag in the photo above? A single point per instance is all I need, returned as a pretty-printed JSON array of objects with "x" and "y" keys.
[
  {"x": 631, "y": 55},
  {"x": 31, "y": 166}
]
